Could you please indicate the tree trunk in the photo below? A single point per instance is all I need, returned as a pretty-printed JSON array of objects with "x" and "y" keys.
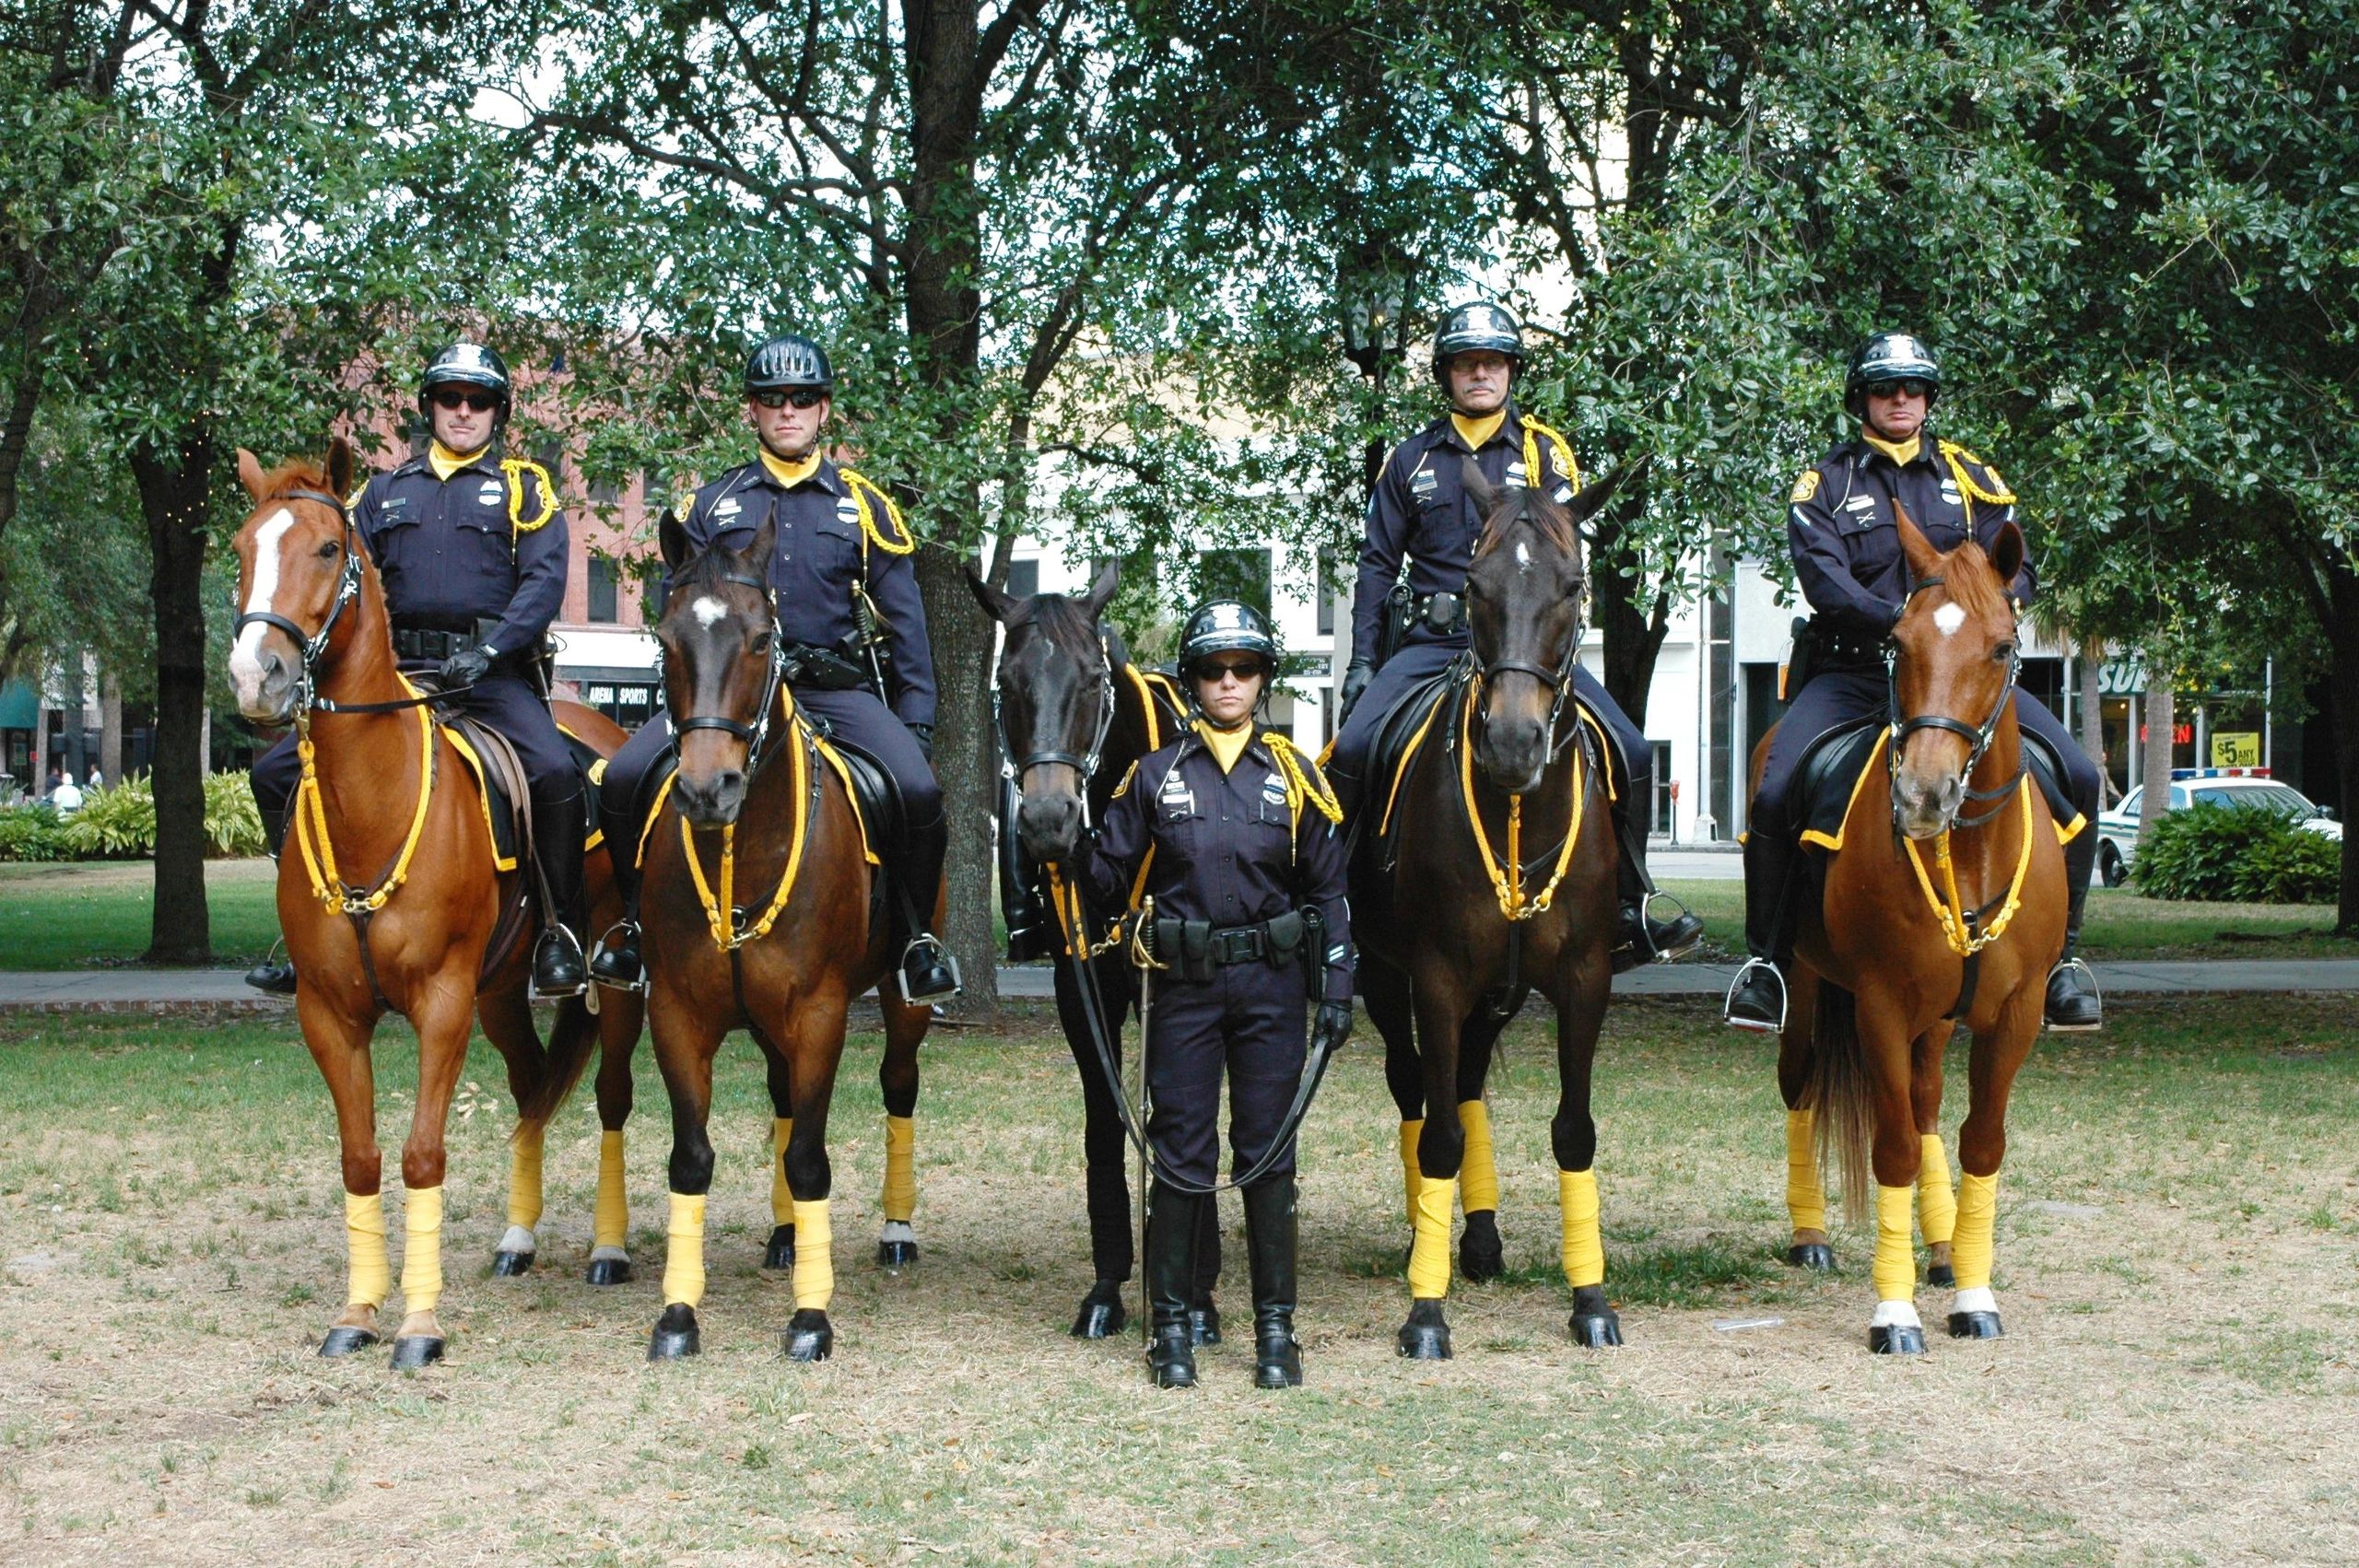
[
  {"x": 74, "y": 744},
  {"x": 2162, "y": 717},
  {"x": 2092, "y": 658},
  {"x": 965, "y": 760},
  {"x": 1632, "y": 619},
  {"x": 172, "y": 487},
  {"x": 111, "y": 727},
  {"x": 2342, "y": 646},
  {"x": 38, "y": 678}
]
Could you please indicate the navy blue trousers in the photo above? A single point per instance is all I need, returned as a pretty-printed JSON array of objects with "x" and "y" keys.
[{"x": 1246, "y": 1022}]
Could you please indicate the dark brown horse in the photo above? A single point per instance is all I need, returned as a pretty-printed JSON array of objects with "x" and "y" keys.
[
  {"x": 1502, "y": 876},
  {"x": 387, "y": 890},
  {"x": 760, "y": 909},
  {"x": 1944, "y": 902}
]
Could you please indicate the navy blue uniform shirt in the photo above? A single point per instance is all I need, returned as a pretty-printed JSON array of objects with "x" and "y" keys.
[
  {"x": 1846, "y": 545},
  {"x": 1420, "y": 508},
  {"x": 1228, "y": 848},
  {"x": 452, "y": 552},
  {"x": 817, "y": 562}
]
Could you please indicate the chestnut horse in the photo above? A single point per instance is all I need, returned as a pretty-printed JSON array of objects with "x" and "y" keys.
[
  {"x": 387, "y": 796},
  {"x": 760, "y": 909},
  {"x": 1910, "y": 940},
  {"x": 1503, "y": 878}
]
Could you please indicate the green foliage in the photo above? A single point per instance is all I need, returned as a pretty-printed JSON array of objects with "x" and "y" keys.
[
  {"x": 31, "y": 833},
  {"x": 233, "y": 820},
  {"x": 2237, "y": 855},
  {"x": 117, "y": 822}
]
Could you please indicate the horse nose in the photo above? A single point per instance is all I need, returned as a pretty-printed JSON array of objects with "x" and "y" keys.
[
  {"x": 714, "y": 802},
  {"x": 1049, "y": 825}
]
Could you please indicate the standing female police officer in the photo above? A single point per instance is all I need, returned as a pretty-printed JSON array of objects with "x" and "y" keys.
[{"x": 1237, "y": 833}]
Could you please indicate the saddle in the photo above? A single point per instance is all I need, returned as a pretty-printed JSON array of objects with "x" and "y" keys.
[
  {"x": 500, "y": 788},
  {"x": 1849, "y": 758},
  {"x": 1401, "y": 733}
]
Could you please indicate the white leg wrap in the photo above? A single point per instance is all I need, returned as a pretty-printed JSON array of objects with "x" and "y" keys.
[
  {"x": 1978, "y": 1299},
  {"x": 897, "y": 1230},
  {"x": 518, "y": 1239},
  {"x": 609, "y": 1254},
  {"x": 1895, "y": 1315}
]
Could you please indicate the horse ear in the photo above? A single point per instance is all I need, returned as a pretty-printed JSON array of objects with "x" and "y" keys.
[
  {"x": 339, "y": 467},
  {"x": 755, "y": 556},
  {"x": 250, "y": 473},
  {"x": 672, "y": 540},
  {"x": 1594, "y": 495},
  {"x": 997, "y": 603},
  {"x": 1486, "y": 495},
  {"x": 1924, "y": 561},
  {"x": 1101, "y": 592},
  {"x": 2007, "y": 555}
]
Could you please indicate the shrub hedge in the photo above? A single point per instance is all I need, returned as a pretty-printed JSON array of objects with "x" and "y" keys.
[
  {"x": 2237, "y": 855},
  {"x": 117, "y": 822}
]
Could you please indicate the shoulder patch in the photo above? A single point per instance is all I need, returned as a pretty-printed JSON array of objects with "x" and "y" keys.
[{"x": 1805, "y": 486}]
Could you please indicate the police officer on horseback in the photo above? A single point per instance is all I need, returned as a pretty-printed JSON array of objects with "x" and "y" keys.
[
  {"x": 853, "y": 627},
  {"x": 1232, "y": 836},
  {"x": 472, "y": 550},
  {"x": 1403, "y": 634},
  {"x": 1842, "y": 531}
]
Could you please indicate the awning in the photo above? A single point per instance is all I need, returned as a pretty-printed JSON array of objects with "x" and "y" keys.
[{"x": 16, "y": 705}]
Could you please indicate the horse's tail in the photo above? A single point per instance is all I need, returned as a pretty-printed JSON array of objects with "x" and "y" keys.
[
  {"x": 571, "y": 1040},
  {"x": 1843, "y": 1112}
]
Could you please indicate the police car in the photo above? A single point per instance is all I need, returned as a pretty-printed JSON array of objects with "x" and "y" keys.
[{"x": 2204, "y": 786}]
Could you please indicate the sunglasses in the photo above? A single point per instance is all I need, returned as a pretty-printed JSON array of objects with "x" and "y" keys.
[
  {"x": 1912, "y": 387},
  {"x": 779, "y": 397},
  {"x": 1247, "y": 670},
  {"x": 453, "y": 398}
]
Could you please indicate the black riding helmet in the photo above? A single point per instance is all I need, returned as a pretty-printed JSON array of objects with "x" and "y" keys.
[
  {"x": 467, "y": 365},
  {"x": 1889, "y": 357},
  {"x": 1478, "y": 326},
  {"x": 787, "y": 361},
  {"x": 1226, "y": 625}
]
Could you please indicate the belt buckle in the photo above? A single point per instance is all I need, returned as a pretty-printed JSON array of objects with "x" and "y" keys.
[{"x": 1240, "y": 944}]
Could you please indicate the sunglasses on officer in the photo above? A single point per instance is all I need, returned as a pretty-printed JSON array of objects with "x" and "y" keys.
[
  {"x": 1214, "y": 671},
  {"x": 460, "y": 397},
  {"x": 1910, "y": 387},
  {"x": 779, "y": 397}
]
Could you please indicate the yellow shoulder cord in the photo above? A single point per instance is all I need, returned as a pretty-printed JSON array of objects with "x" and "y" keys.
[
  {"x": 1951, "y": 452},
  {"x": 1533, "y": 472},
  {"x": 904, "y": 541},
  {"x": 515, "y": 468},
  {"x": 1301, "y": 785},
  {"x": 1148, "y": 707},
  {"x": 1513, "y": 901},
  {"x": 718, "y": 911},
  {"x": 311, "y": 826},
  {"x": 1946, "y": 904}
]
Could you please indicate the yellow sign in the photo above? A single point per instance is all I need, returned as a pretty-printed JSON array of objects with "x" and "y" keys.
[{"x": 2239, "y": 748}]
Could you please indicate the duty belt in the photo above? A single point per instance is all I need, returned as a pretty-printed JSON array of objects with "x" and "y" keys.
[
  {"x": 822, "y": 669},
  {"x": 1444, "y": 612},
  {"x": 1194, "y": 949},
  {"x": 418, "y": 642}
]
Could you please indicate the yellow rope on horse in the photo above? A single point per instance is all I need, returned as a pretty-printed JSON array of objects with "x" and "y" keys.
[
  {"x": 311, "y": 824},
  {"x": 718, "y": 911},
  {"x": 1950, "y": 909},
  {"x": 1514, "y": 903}
]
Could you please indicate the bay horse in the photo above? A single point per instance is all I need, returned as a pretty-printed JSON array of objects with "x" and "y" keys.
[
  {"x": 1073, "y": 715},
  {"x": 1502, "y": 877},
  {"x": 387, "y": 795},
  {"x": 759, "y": 909},
  {"x": 1905, "y": 945}
]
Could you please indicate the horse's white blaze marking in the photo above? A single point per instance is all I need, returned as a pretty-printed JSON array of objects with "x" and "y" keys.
[
  {"x": 1895, "y": 1315},
  {"x": 1949, "y": 617},
  {"x": 518, "y": 1239},
  {"x": 1522, "y": 556},
  {"x": 1978, "y": 1298},
  {"x": 897, "y": 1230},
  {"x": 245, "y": 658},
  {"x": 708, "y": 610}
]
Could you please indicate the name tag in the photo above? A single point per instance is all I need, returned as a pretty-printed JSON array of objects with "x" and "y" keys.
[
  {"x": 1861, "y": 504},
  {"x": 1517, "y": 473},
  {"x": 1422, "y": 484},
  {"x": 729, "y": 507},
  {"x": 1175, "y": 797}
]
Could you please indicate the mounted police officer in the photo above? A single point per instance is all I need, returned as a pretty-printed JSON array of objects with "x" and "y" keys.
[
  {"x": 853, "y": 627},
  {"x": 1420, "y": 510},
  {"x": 1237, "y": 835},
  {"x": 1841, "y": 529},
  {"x": 472, "y": 550}
]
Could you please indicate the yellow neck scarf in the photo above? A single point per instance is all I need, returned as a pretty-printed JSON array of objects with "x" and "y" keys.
[
  {"x": 447, "y": 462},
  {"x": 1477, "y": 431},
  {"x": 791, "y": 474},
  {"x": 1902, "y": 452},
  {"x": 1226, "y": 745}
]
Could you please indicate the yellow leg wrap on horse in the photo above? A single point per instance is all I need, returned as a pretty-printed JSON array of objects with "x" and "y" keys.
[
  {"x": 1478, "y": 1175},
  {"x": 369, "y": 1277},
  {"x": 610, "y": 1222},
  {"x": 1429, "y": 1252},
  {"x": 815, "y": 1259},
  {"x": 900, "y": 1168},
  {"x": 781, "y": 1200},
  {"x": 1896, "y": 1265},
  {"x": 525, "y": 1176},
  {"x": 1971, "y": 1248},
  {"x": 422, "y": 1249},
  {"x": 1410, "y": 1176},
  {"x": 1805, "y": 1198},
  {"x": 684, "y": 1251},
  {"x": 1936, "y": 1204},
  {"x": 1584, "y": 1247}
]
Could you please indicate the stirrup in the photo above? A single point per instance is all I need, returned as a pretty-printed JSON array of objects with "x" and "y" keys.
[
  {"x": 1784, "y": 999},
  {"x": 533, "y": 985},
  {"x": 2087, "y": 975},
  {"x": 933, "y": 943},
  {"x": 629, "y": 927},
  {"x": 1663, "y": 956}
]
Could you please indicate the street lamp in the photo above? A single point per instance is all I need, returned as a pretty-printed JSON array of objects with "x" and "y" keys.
[{"x": 1374, "y": 293}]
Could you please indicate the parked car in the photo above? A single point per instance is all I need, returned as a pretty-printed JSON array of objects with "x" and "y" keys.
[{"x": 2204, "y": 786}]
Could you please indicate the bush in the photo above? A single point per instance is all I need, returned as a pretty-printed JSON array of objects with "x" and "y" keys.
[
  {"x": 31, "y": 833},
  {"x": 117, "y": 822},
  {"x": 2236, "y": 854},
  {"x": 233, "y": 820}
]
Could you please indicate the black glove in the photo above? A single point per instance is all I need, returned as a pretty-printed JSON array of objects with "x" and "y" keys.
[
  {"x": 1332, "y": 1028},
  {"x": 466, "y": 667},
  {"x": 1356, "y": 679},
  {"x": 924, "y": 735}
]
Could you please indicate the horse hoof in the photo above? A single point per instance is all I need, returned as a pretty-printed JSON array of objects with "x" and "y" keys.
[
  {"x": 1940, "y": 1276},
  {"x": 1480, "y": 1256},
  {"x": 896, "y": 1254},
  {"x": 1102, "y": 1314},
  {"x": 780, "y": 1253},
  {"x": 1976, "y": 1326},
  {"x": 1425, "y": 1336},
  {"x": 1898, "y": 1340},
  {"x": 344, "y": 1341},
  {"x": 1811, "y": 1255},
  {"x": 676, "y": 1334},
  {"x": 414, "y": 1351},
  {"x": 1596, "y": 1330},
  {"x": 1203, "y": 1324},
  {"x": 808, "y": 1336},
  {"x": 510, "y": 1264},
  {"x": 608, "y": 1271}
]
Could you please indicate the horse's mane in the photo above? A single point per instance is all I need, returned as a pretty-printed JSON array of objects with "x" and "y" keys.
[
  {"x": 295, "y": 474},
  {"x": 1973, "y": 582},
  {"x": 705, "y": 569},
  {"x": 1518, "y": 504}
]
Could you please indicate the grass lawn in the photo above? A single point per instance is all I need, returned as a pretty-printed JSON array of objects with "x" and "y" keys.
[
  {"x": 2175, "y": 1231},
  {"x": 70, "y": 915}
]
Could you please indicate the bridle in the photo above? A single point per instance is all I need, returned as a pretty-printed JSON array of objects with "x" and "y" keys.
[
  {"x": 757, "y": 734},
  {"x": 1559, "y": 680},
  {"x": 1978, "y": 738},
  {"x": 1013, "y": 768}
]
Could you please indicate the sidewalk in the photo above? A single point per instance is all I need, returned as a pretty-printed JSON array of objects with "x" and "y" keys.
[{"x": 223, "y": 991}]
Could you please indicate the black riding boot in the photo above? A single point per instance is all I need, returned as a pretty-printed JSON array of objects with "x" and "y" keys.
[
  {"x": 616, "y": 963},
  {"x": 1270, "y": 1243},
  {"x": 1204, "y": 1313},
  {"x": 1171, "y": 1221},
  {"x": 2073, "y": 1004},
  {"x": 927, "y": 972},
  {"x": 557, "y": 969},
  {"x": 1757, "y": 1000},
  {"x": 273, "y": 976},
  {"x": 1640, "y": 939}
]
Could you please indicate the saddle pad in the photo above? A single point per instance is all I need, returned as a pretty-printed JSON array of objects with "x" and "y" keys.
[
  {"x": 469, "y": 740},
  {"x": 1846, "y": 760}
]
